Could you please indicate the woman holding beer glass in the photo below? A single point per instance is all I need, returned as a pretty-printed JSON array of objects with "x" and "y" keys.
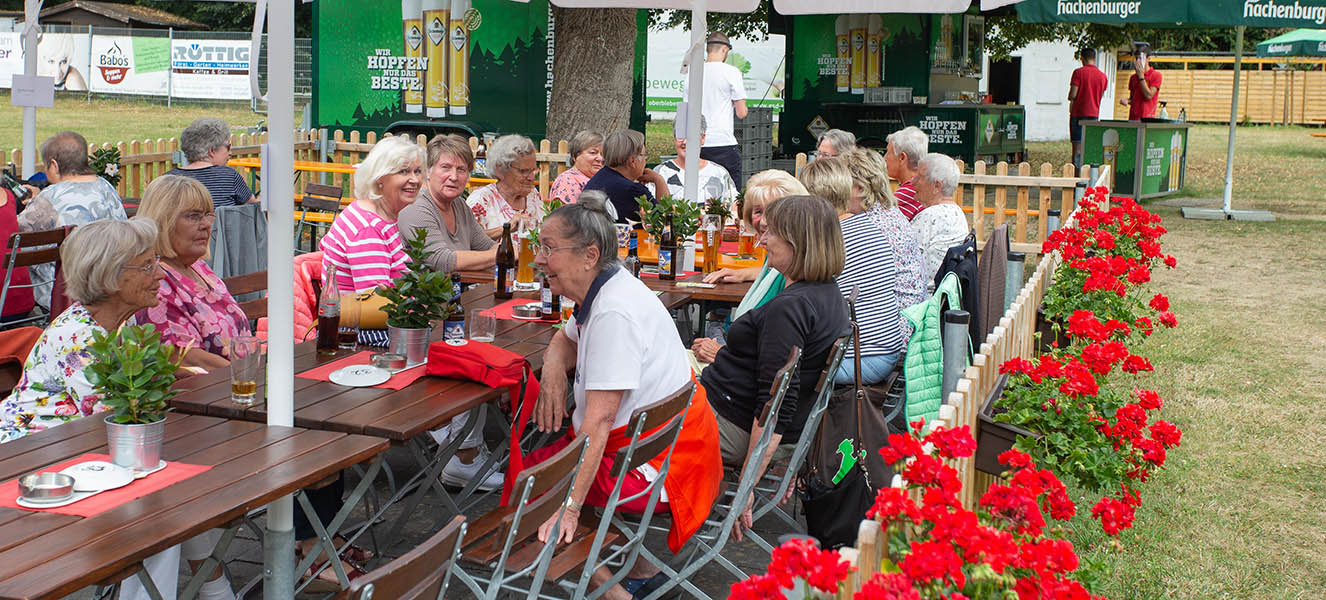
[
  {"x": 763, "y": 188},
  {"x": 195, "y": 310},
  {"x": 586, "y": 160},
  {"x": 363, "y": 243},
  {"x": 513, "y": 198},
  {"x": 627, "y": 354}
]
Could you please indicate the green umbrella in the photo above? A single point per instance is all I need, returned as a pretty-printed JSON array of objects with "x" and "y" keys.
[
  {"x": 1238, "y": 14},
  {"x": 1299, "y": 42}
]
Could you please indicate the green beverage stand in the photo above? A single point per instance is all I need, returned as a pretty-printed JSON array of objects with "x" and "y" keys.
[{"x": 1147, "y": 158}]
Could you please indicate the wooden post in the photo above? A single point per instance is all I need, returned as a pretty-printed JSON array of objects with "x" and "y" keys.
[
  {"x": 978, "y": 202},
  {"x": 1024, "y": 193}
]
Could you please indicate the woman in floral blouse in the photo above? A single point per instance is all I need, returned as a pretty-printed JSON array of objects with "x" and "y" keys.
[
  {"x": 586, "y": 160},
  {"x": 514, "y": 198},
  {"x": 195, "y": 309},
  {"x": 111, "y": 272}
]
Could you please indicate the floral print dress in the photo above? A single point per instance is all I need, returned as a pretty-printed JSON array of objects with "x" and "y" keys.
[
  {"x": 491, "y": 210},
  {"x": 53, "y": 389},
  {"x": 188, "y": 314}
]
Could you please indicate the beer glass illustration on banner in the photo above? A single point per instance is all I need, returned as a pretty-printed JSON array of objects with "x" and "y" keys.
[
  {"x": 842, "y": 31},
  {"x": 874, "y": 51},
  {"x": 463, "y": 21},
  {"x": 1109, "y": 151},
  {"x": 413, "y": 26},
  {"x": 435, "y": 81},
  {"x": 1175, "y": 159},
  {"x": 858, "y": 23}
]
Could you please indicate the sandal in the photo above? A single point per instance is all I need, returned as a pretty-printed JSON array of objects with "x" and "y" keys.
[
  {"x": 320, "y": 584},
  {"x": 356, "y": 554}
]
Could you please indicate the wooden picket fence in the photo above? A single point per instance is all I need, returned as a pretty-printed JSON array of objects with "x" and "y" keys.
[{"x": 1014, "y": 337}]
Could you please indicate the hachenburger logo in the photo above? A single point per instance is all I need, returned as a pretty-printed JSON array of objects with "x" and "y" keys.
[{"x": 114, "y": 64}]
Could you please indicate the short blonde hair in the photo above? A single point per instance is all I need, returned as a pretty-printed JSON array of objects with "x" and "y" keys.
[
  {"x": 765, "y": 187},
  {"x": 390, "y": 155},
  {"x": 94, "y": 256},
  {"x": 870, "y": 173},
  {"x": 166, "y": 199},
  {"x": 829, "y": 179},
  {"x": 810, "y": 225},
  {"x": 450, "y": 144}
]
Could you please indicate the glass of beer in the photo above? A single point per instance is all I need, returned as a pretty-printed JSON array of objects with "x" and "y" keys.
[
  {"x": 347, "y": 335},
  {"x": 525, "y": 266},
  {"x": 245, "y": 357},
  {"x": 623, "y": 239},
  {"x": 711, "y": 234},
  {"x": 746, "y": 242},
  {"x": 568, "y": 307}
]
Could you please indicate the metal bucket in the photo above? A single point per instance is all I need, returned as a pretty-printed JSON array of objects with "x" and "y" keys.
[
  {"x": 135, "y": 446},
  {"x": 410, "y": 343}
]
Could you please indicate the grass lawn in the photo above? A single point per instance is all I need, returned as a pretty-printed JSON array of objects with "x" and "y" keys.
[{"x": 117, "y": 120}]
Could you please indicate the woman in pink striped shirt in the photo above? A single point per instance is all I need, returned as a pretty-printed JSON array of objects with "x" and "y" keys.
[{"x": 363, "y": 244}]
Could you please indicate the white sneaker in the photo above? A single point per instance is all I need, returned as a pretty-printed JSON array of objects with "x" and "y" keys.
[{"x": 459, "y": 474}]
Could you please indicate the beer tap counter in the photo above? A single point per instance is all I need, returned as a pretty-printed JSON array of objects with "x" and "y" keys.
[{"x": 1147, "y": 158}]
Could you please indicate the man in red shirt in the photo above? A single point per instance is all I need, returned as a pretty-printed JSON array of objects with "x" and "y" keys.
[
  {"x": 1085, "y": 90},
  {"x": 902, "y": 158},
  {"x": 1143, "y": 88}
]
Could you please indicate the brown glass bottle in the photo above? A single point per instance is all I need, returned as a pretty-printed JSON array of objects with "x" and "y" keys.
[
  {"x": 632, "y": 261},
  {"x": 668, "y": 253},
  {"x": 505, "y": 271},
  {"x": 329, "y": 315}
]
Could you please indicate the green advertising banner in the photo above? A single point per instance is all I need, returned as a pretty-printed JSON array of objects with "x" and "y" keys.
[
  {"x": 151, "y": 54},
  {"x": 376, "y": 65},
  {"x": 1300, "y": 42},
  {"x": 1225, "y": 13},
  {"x": 1162, "y": 156},
  {"x": 1103, "y": 144}
]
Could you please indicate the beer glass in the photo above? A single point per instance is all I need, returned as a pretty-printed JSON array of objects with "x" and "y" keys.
[
  {"x": 746, "y": 242},
  {"x": 483, "y": 324},
  {"x": 245, "y": 358},
  {"x": 712, "y": 234},
  {"x": 347, "y": 335},
  {"x": 525, "y": 266}
]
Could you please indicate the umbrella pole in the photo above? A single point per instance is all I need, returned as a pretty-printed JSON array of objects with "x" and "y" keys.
[
  {"x": 278, "y": 188},
  {"x": 31, "y": 9},
  {"x": 1233, "y": 118},
  {"x": 695, "y": 94}
]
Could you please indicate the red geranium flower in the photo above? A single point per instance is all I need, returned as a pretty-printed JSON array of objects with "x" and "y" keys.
[
  {"x": 887, "y": 586},
  {"x": 1168, "y": 320},
  {"x": 1160, "y": 303},
  {"x": 1166, "y": 433},
  {"x": 1148, "y": 399},
  {"x": 952, "y": 443},
  {"x": 1114, "y": 516},
  {"x": 1136, "y": 364}
]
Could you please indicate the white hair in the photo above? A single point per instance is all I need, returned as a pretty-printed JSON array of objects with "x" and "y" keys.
[
  {"x": 939, "y": 168},
  {"x": 842, "y": 141},
  {"x": 94, "y": 256},
  {"x": 506, "y": 150},
  {"x": 910, "y": 141},
  {"x": 391, "y": 155},
  {"x": 203, "y": 136}
]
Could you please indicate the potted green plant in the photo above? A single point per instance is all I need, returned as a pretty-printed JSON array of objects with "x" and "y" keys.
[
  {"x": 717, "y": 207},
  {"x": 133, "y": 371},
  {"x": 420, "y": 298}
]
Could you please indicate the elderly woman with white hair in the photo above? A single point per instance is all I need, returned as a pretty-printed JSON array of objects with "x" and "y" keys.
[
  {"x": 206, "y": 145},
  {"x": 513, "y": 198},
  {"x": 941, "y": 223},
  {"x": 363, "y": 243}
]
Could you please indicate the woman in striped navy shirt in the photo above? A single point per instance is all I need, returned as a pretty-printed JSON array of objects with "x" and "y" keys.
[
  {"x": 206, "y": 145},
  {"x": 871, "y": 267}
]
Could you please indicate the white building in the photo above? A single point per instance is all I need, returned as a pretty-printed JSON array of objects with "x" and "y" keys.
[{"x": 1042, "y": 71}]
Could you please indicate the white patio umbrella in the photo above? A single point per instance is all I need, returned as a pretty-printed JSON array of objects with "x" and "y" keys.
[{"x": 31, "y": 8}]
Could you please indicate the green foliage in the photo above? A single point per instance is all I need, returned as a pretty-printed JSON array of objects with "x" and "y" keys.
[
  {"x": 737, "y": 60},
  {"x": 1072, "y": 445},
  {"x": 422, "y": 295},
  {"x": 134, "y": 372},
  {"x": 553, "y": 205},
  {"x": 654, "y": 216},
  {"x": 105, "y": 162},
  {"x": 752, "y": 26},
  {"x": 716, "y": 206}
]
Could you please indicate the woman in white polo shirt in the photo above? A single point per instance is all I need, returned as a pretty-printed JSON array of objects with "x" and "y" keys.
[{"x": 626, "y": 354}]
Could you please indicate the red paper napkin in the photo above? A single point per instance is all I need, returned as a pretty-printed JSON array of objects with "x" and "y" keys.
[
  {"x": 397, "y": 381},
  {"x": 504, "y": 311},
  {"x": 174, "y": 472}
]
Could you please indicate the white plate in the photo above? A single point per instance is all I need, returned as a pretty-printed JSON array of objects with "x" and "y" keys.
[
  {"x": 98, "y": 475},
  {"x": 24, "y": 502},
  {"x": 359, "y": 376},
  {"x": 141, "y": 474}
]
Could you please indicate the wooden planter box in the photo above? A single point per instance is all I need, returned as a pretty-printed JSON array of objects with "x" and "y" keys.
[{"x": 994, "y": 438}]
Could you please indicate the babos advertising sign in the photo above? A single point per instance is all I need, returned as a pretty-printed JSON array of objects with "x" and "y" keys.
[
  {"x": 113, "y": 65},
  {"x": 130, "y": 65}
]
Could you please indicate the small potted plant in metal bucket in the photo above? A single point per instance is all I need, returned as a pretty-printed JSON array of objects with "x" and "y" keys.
[
  {"x": 417, "y": 300},
  {"x": 134, "y": 372}
]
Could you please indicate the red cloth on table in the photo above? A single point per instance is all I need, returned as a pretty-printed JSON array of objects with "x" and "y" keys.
[
  {"x": 398, "y": 380},
  {"x": 693, "y": 478},
  {"x": 174, "y": 472}
]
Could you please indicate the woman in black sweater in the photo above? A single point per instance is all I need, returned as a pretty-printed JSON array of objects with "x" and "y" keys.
[{"x": 804, "y": 242}]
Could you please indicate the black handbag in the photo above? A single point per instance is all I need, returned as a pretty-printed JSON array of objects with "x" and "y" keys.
[{"x": 834, "y": 496}]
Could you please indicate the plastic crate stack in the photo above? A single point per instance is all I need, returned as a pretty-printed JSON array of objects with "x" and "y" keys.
[{"x": 755, "y": 141}]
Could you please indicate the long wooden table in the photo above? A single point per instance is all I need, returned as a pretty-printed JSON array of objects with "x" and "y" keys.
[
  {"x": 721, "y": 292},
  {"x": 46, "y": 555}
]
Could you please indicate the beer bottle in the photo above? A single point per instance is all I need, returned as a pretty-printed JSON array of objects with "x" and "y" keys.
[
  {"x": 546, "y": 301},
  {"x": 454, "y": 306},
  {"x": 632, "y": 260},
  {"x": 505, "y": 271},
  {"x": 667, "y": 253},
  {"x": 329, "y": 315}
]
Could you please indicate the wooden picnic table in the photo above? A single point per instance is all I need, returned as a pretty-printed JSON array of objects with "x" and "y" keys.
[
  {"x": 721, "y": 292},
  {"x": 47, "y": 555}
]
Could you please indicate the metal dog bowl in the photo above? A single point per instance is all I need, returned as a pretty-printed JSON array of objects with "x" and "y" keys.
[{"x": 46, "y": 487}]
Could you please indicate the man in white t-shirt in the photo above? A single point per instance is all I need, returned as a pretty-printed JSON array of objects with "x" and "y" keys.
[{"x": 724, "y": 96}]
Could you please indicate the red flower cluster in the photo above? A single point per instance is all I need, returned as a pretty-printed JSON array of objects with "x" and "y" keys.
[{"x": 796, "y": 559}]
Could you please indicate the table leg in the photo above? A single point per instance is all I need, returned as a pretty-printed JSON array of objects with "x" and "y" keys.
[
  {"x": 326, "y": 534},
  {"x": 217, "y": 557}
]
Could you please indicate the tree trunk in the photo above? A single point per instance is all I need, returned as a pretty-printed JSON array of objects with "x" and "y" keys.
[{"x": 592, "y": 70}]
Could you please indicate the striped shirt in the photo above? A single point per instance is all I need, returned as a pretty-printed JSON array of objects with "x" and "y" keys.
[
  {"x": 365, "y": 249},
  {"x": 906, "y": 196},
  {"x": 225, "y": 185},
  {"x": 872, "y": 267}
]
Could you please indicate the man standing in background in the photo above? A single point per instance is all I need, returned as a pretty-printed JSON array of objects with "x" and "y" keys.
[
  {"x": 724, "y": 95},
  {"x": 1143, "y": 86},
  {"x": 1085, "y": 90}
]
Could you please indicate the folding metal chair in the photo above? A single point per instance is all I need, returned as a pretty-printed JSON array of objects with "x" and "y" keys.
[
  {"x": 423, "y": 573},
  {"x": 509, "y": 532},
  {"x": 320, "y": 198},
  {"x": 707, "y": 544},
  {"x": 27, "y": 250}
]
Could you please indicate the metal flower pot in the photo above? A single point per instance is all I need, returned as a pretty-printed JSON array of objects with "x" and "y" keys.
[
  {"x": 410, "y": 343},
  {"x": 135, "y": 446}
]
